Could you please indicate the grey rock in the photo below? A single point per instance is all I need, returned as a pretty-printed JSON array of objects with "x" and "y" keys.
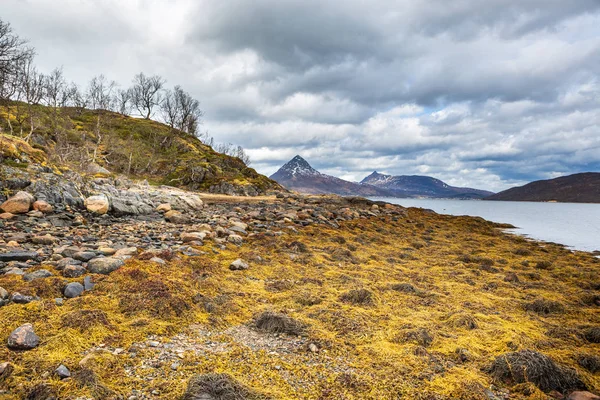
[
  {"x": 84, "y": 255},
  {"x": 23, "y": 338},
  {"x": 39, "y": 274},
  {"x": 73, "y": 289},
  {"x": 3, "y": 293},
  {"x": 18, "y": 256},
  {"x": 73, "y": 271},
  {"x": 61, "y": 264},
  {"x": 238, "y": 265},
  {"x": 88, "y": 284},
  {"x": 59, "y": 301},
  {"x": 19, "y": 298},
  {"x": 63, "y": 372},
  {"x": 235, "y": 239},
  {"x": 104, "y": 265}
]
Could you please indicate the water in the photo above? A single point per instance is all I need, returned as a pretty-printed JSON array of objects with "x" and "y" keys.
[{"x": 572, "y": 224}]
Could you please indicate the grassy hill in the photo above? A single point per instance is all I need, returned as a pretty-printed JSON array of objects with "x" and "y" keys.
[{"x": 138, "y": 148}]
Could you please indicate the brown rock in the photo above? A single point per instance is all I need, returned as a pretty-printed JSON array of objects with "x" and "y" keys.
[
  {"x": 23, "y": 338},
  {"x": 7, "y": 216},
  {"x": 165, "y": 207},
  {"x": 175, "y": 217},
  {"x": 43, "y": 206},
  {"x": 46, "y": 239},
  {"x": 187, "y": 237},
  {"x": 97, "y": 204},
  {"x": 20, "y": 203}
]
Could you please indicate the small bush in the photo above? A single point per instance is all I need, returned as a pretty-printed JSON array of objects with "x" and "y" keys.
[
  {"x": 589, "y": 362},
  {"x": 362, "y": 297},
  {"x": 216, "y": 387},
  {"x": 272, "y": 322},
  {"x": 544, "y": 307},
  {"x": 592, "y": 335},
  {"x": 530, "y": 366},
  {"x": 420, "y": 336},
  {"x": 462, "y": 320},
  {"x": 543, "y": 265},
  {"x": 86, "y": 378},
  {"x": 522, "y": 252},
  {"x": 404, "y": 288}
]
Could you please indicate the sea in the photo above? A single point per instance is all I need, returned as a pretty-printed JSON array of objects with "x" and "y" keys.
[{"x": 574, "y": 225}]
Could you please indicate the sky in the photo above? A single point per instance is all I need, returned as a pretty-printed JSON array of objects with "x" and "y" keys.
[{"x": 487, "y": 94}]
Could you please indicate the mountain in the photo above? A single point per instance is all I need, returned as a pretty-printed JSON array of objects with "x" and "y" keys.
[
  {"x": 75, "y": 138},
  {"x": 421, "y": 186},
  {"x": 577, "y": 188},
  {"x": 297, "y": 174}
]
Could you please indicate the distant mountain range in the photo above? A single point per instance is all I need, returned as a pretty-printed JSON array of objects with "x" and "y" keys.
[
  {"x": 297, "y": 174},
  {"x": 577, "y": 188},
  {"x": 421, "y": 186}
]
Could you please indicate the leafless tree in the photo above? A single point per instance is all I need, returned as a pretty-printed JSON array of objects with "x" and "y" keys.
[
  {"x": 76, "y": 98},
  {"x": 206, "y": 138},
  {"x": 100, "y": 96},
  {"x": 123, "y": 101},
  {"x": 55, "y": 90},
  {"x": 190, "y": 114},
  {"x": 169, "y": 109},
  {"x": 146, "y": 93},
  {"x": 31, "y": 86},
  {"x": 13, "y": 51}
]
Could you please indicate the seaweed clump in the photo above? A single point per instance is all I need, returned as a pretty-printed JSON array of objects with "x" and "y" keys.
[
  {"x": 217, "y": 387},
  {"x": 273, "y": 322}
]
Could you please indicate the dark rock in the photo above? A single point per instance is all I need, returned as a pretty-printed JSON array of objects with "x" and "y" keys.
[
  {"x": 19, "y": 256},
  {"x": 84, "y": 255},
  {"x": 61, "y": 264},
  {"x": 73, "y": 289},
  {"x": 23, "y": 338},
  {"x": 39, "y": 274},
  {"x": 21, "y": 299},
  {"x": 73, "y": 271},
  {"x": 63, "y": 372}
]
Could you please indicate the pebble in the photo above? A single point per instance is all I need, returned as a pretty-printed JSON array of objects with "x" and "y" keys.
[{"x": 63, "y": 372}]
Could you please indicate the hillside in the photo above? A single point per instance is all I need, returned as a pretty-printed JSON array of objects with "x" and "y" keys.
[
  {"x": 421, "y": 186},
  {"x": 577, "y": 188},
  {"x": 298, "y": 175},
  {"x": 140, "y": 149}
]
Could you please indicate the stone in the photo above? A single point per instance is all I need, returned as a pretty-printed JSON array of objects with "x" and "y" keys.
[
  {"x": 3, "y": 294},
  {"x": 158, "y": 260},
  {"x": 7, "y": 216},
  {"x": 176, "y": 217},
  {"x": 87, "y": 283},
  {"x": 107, "y": 251},
  {"x": 84, "y": 255},
  {"x": 126, "y": 252},
  {"x": 61, "y": 264},
  {"x": 14, "y": 271},
  {"x": 73, "y": 289},
  {"x": 19, "y": 298},
  {"x": 46, "y": 239},
  {"x": 104, "y": 265},
  {"x": 73, "y": 271},
  {"x": 187, "y": 237},
  {"x": 39, "y": 274},
  {"x": 583, "y": 396},
  {"x": 235, "y": 239},
  {"x": 6, "y": 370},
  {"x": 35, "y": 214},
  {"x": 43, "y": 206},
  {"x": 238, "y": 265},
  {"x": 97, "y": 204},
  {"x": 23, "y": 338},
  {"x": 59, "y": 301},
  {"x": 18, "y": 256},
  {"x": 20, "y": 203},
  {"x": 63, "y": 372},
  {"x": 163, "y": 208}
]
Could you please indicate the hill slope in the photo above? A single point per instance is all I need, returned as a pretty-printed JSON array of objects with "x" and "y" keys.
[
  {"x": 415, "y": 185},
  {"x": 138, "y": 148},
  {"x": 577, "y": 188},
  {"x": 297, "y": 174}
]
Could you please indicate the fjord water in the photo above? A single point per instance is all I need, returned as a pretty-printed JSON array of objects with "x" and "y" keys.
[{"x": 575, "y": 225}]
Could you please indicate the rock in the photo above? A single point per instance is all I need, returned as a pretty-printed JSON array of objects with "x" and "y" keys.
[
  {"x": 87, "y": 283},
  {"x": 23, "y": 338},
  {"x": 126, "y": 252},
  {"x": 187, "y": 237},
  {"x": 96, "y": 169},
  {"x": 18, "y": 298},
  {"x": 43, "y": 206},
  {"x": 6, "y": 370},
  {"x": 235, "y": 239},
  {"x": 176, "y": 217},
  {"x": 7, "y": 216},
  {"x": 63, "y": 372},
  {"x": 3, "y": 293},
  {"x": 583, "y": 396},
  {"x": 104, "y": 265},
  {"x": 59, "y": 301},
  {"x": 18, "y": 256},
  {"x": 62, "y": 264},
  {"x": 107, "y": 251},
  {"x": 97, "y": 204},
  {"x": 163, "y": 208},
  {"x": 84, "y": 255},
  {"x": 73, "y": 289},
  {"x": 46, "y": 239},
  {"x": 39, "y": 274},
  {"x": 14, "y": 271},
  {"x": 35, "y": 214},
  {"x": 238, "y": 265},
  {"x": 20, "y": 203},
  {"x": 158, "y": 260},
  {"x": 73, "y": 271}
]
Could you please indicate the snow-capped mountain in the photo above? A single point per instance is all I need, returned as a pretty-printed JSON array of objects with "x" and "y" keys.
[
  {"x": 421, "y": 186},
  {"x": 297, "y": 174}
]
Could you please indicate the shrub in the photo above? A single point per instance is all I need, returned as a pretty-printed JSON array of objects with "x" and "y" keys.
[
  {"x": 272, "y": 322},
  {"x": 362, "y": 297},
  {"x": 544, "y": 307},
  {"x": 217, "y": 387},
  {"x": 592, "y": 334},
  {"x": 420, "y": 336},
  {"x": 589, "y": 362}
]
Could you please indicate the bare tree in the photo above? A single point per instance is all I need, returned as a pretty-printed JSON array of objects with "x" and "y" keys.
[
  {"x": 190, "y": 114},
  {"x": 169, "y": 109},
  {"x": 206, "y": 139},
  {"x": 146, "y": 93},
  {"x": 13, "y": 51},
  {"x": 31, "y": 86},
  {"x": 55, "y": 88},
  {"x": 100, "y": 98},
  {"x": 123, "y": 101},
  {"x": 76, "y": 98}
]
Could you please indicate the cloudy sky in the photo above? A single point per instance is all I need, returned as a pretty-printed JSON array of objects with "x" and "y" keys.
[{"x": 487, "y": 94}]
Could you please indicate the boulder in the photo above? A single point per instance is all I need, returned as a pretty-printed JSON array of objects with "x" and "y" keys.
[
  {"x": 43, "y": 206},
  {"x": 238, "y": 265},
  {"x": 45, "y": 239},
  {"x": 7, "y": 216},
  {"x": 97, "y": 204},
  {"x": 73, "y": 271},
  {"x": 126, "y": 252},
  {"x": 20, "y": 203},
  {"x": 187, "y": 237},
  {"x": 73, "y": 289},
  {"x": 39, "y": 274},
  {"x": 583, "y": 396},
  {"x": 176, "y": 217},
  {"x": 235, "y": 239},
  {"x": 104, "y": 265},
  {"x": 23, "y": 338},
  {"x": 18, "y": 256}
]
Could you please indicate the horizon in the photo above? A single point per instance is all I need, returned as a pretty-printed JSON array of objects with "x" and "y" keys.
[{"x": 488, "y": 96}]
